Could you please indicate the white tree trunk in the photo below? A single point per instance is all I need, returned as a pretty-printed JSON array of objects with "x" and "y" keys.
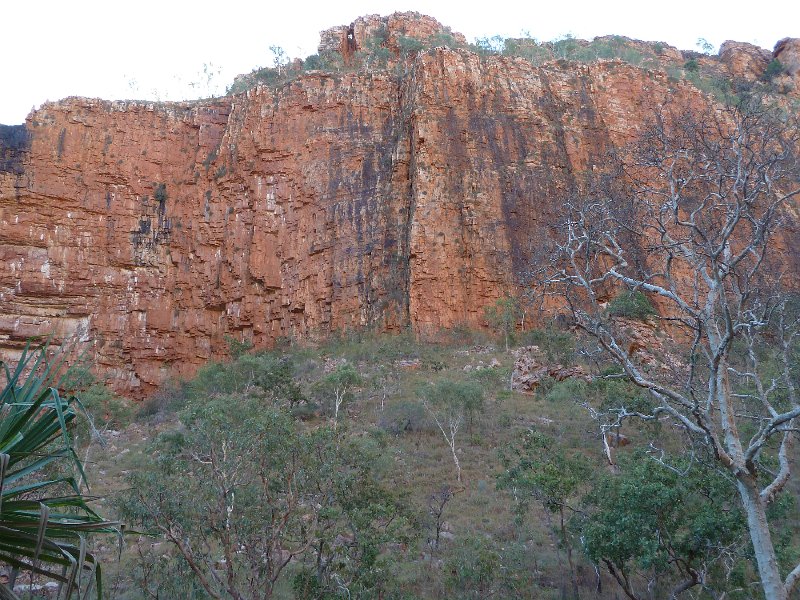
[
  {"x": 452, "y": 442},
  {"x": 338, "y": 399},
  {"x": 762, "y": 541},
  {"x": 453, "y": 426}
]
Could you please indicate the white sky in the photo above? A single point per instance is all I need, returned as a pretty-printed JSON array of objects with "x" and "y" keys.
[{"x": 50, "y": 49}]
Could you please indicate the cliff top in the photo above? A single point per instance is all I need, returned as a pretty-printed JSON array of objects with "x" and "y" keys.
[{"x": 375, "y": 42}]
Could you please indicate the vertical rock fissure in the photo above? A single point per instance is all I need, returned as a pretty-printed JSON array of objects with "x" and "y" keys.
[{"x": 407, "y": 102}]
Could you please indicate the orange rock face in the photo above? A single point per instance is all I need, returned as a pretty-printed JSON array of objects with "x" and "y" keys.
[
  {"x": 407, "y": 197},
  {"x": 744, "y": 61},
  {"x": 787, "y": 51}
]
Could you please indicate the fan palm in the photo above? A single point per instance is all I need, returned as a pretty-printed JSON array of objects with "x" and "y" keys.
[{"x": 43, "y": 516}]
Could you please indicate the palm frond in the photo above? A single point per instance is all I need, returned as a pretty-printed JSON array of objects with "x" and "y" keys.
[{"x": 42, "y": 530}]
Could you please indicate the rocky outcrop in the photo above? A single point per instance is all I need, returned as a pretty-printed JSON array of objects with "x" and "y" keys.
[
  {"x": 531, "y": 369},
  {"x": 787, "y": 51},
  {"x": 411, "y": 196},
  {"x": 744, "y": 61},
  {"x": 393, "y": 33}
]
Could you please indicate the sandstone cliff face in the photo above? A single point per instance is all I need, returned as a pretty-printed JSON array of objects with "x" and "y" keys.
[
  {"x": 744, "y": 61},
  {"x": 366, "y": 32},
  {"x": 787, "y": 51},
  {"x": 412, "y": 196}
]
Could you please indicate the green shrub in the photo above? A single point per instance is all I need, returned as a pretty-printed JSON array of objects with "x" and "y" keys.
[
  {"x": 160, "y": 193},
  {"x": 566, "y": 47},
  {"x": 569, "y": 390},
  {"x": 409, "y": 45},
  {"x": 691, "y": 65},
  {"x": 546, "y": 384},
  {"x": 491, "y": 378},
  {"x": 612, "y": 392},
  {"x": 405, "y": 416},
  {"x": 774, "y": 68},
  {"x": 315, "y": 62},
  {"x": 105, "y": 405},
  {"x": 105, "y": 408},
  {"x": 265, "y": 375},
  {"x": 472, "y": 567},
  {"x": 631, "y": 304},
  {"x": 489, "y": 45},
  {"x": 505, "y": 420},
  {"x": 653, "y": 518},
  {"x": 527, "y": 48},
  {"x": 443, "y": 38},
  {"x": 465, "y": 397},
  {"x": 237, "y": 348},
  {"x": 558, "y": 346},
  {"x": 719, "y": 87},
  {"x": 248, "y": 482},
  {"x": 170, "y": 397},
  {"x": 502, "y": 316},
  {"x": 431, "y": 363},
  {"x": 337, "y": 389}
]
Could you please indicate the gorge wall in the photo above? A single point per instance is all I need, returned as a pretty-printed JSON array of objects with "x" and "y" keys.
[{"x": 411, "y": 195}]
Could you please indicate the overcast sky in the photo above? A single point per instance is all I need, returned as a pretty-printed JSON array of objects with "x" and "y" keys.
[{"x": 50, "y": 49}]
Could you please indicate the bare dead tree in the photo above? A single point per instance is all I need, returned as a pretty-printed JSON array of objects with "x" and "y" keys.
[
  {"x": 692, "y": 220},
  {"x": 437, "y": 503},
  {"x": 449, "y": 421}
]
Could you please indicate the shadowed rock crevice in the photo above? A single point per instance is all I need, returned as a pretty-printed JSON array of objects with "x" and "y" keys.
[{"x": 14, "y": 145}]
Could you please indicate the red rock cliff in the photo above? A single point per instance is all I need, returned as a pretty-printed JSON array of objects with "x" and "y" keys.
[{"x": 406, "y": 196}]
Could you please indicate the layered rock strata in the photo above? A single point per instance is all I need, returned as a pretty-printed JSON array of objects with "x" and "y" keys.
[{"x": 411, "y": 196}]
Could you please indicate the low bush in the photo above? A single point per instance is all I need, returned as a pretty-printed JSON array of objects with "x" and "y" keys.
[
  {"x": 774, "y": 68},
  {"x": 249, "y": 483},
  {"x": 633, "y": 305},
  {"x": 558, "y": 346},
  {"x": 473, "y": 565},
  {"x": 405, "y": 416},
  {"x": 105, "y": 407},
  {"x": 170, "y": 397},
  {"x": 569, "y": 390},
  {"x": 491, "y": 377},
  {"x": 267, "y": 375}
]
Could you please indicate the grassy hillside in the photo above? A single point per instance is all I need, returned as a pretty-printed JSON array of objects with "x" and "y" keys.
[{"x": 510, "y": 528}]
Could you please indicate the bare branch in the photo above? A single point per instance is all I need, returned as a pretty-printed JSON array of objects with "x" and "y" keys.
[{"x": 691, "y": 221}]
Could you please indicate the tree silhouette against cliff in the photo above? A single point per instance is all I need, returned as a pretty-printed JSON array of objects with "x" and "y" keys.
[{"x": 692, "y": 218}]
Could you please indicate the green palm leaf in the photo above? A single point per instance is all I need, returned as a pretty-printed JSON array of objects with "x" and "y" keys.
[{"x": 42, "y": 530}]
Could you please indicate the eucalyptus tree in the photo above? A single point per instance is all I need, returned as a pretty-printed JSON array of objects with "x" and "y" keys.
[
  {"x": 451, "y": 404},
  {"x": 694, "y": 217},
  {"x": 247, "y": 499}
]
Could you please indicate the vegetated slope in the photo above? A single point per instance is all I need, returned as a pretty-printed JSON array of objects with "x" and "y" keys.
[
  {"x": 478, "y": 532},
  {"x": 495, "y": 533},
  {"x": 405, "y": 180}
]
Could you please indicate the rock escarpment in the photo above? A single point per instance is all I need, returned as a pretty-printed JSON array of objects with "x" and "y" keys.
[{"x": 411, "y": 195}]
